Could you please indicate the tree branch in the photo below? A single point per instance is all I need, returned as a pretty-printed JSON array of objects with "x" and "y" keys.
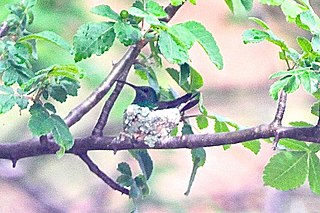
[
  {"x": 32, "y": 148},
  {"x": 104, "y": 115},
  {"x": 95, "y": 169}
]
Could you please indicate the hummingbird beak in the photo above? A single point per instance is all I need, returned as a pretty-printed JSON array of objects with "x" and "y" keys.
[{"x": 127, "y": 83}]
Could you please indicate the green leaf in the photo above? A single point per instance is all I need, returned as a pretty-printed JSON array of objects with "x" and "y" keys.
[
  {"x": 292, "y": 84},
  {"x": 230, "y": 5},
  {"x": 58, "y": 93},
  {"x": 125, "y": 180},
  {"x": 254, "y": 36},
  {"x": 271, "y": 2},
  {"x": 61, "y": 133},
  {"x": 307, "y": 20},
  {"x": 315, "y": 42},
  {"x": 277, "y": 86},
  {"x": 184, "y": 75},
  {"x": 176, "y": 2},
  {"x": 155, "y": 9},
  {"x": 50, "y": 107},
  {"x": 137, "y": 12},
  {"x": 49, "y": 36},
  {"x": 310, "y": 81},
  {"x": 206, "y": 40},
  {"x": 126, "y": 33},
  {"x": 314, "y": 173},
  {"x": 294, "y": 145},
  {"x": 220, "y": 126},
  {"x": 40, "y": 122},
  {"x": 315, "y": 109},
  {"x": 182, "y": 35},
  {"x": 6, "y": 103},
  {"x": 247, "y": 4},
  {"x": 291, "y": 9},
  {"x": 106, "y": 11},
  {"x": 70, "y": 71},
  {"x": 22, "y": 102},
  {"x": 253, "y": 146},
  {"x": 186, "y": 129},
  {"x": 300, "y": 124},
  {"x": 124, "y": 168},
  {"x": 171, "y": 50},
  {"x": 196, "y": 81},
  {"x": 93, "y": 38},
  {"x": 194, "y": 2},
  {"x": 174, "y": 74},
  {"x": 263, "y": 24},
  {"x": 198, "y": 159},
  {"x": 304, "y": 44},
  {"x": 286, "y": 170},
  {"x": 202, "y": 121},
  {"x": 144, "y": 160},
  {"x": 314, "y": 147}
]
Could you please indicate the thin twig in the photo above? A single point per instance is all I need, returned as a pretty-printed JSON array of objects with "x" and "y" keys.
[
  {"x": 95, "y": 169},
  {"x": 104, "y": 115},
  {"x": 280, "y": 109},
  {"x": 4, "y": 29}
]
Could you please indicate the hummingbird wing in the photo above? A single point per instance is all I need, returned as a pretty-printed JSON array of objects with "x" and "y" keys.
[{"x": 187, "y": 100}]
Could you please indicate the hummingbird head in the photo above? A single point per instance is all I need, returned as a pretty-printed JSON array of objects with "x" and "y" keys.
[{"x": 145, "y": 96}]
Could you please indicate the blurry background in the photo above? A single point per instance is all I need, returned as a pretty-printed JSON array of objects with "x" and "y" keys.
[{"x": 230, "y": 181}]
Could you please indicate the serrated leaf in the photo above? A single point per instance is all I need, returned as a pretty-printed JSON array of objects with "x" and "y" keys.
[
  {"x": 186, "y": 129},
  {"x": 184, "y": 75},
  {"x": 182, "y": 35},
  {"x": 155, "y": 9},
  {"x": 69, "y": 71},
  {"x": 220, "y": 126},
  {"x": 202, "y": 122},
  {"x": 277, "y": 86},
  {"x": 93, "y": 38},
  {"x": 247, "y": 4},
  {"x": 253, "y": 146},
  {"x": 171, "y": 50},
  {"x": 50, "y": 107},
  {"x": 70, "y": 86},
  {"x": 144, "y": 160},
  {"x": 310, "y": 81},
  {"x": 124, "y": 168},
  {"x": 58, "y": 93},
  {"x": 286, "y": 170},
  {"x": 207, "y": 42},
  {"x": 61, "y": 133},
  {"x": 6, "y": 103},
  {"x": 106, "y": 11},
  {"x": 198, "y": 159},
  {"x": 314, "y": 147},
  {"x": 196, "y": 81},
  {"x": 49, "y": 36},
  {"x": 40, "y": 122},
  {"x": 291, "y": 9},
  {"x": 294, "y": 145},
  {"x": 137, "y": 12},
  {"x": 300, "y": 124},
  {"x": 314, "y": 173},
  {"x": 126, "y": 33},
  {"x": 22, "y": 102},
  {"x": 315, "y": 109},
  {"x": 304, "y": 44},
  {"x": 307, "y": 20},
  {"x": 254, "y": 36},
  {"x": 292, "y": 84},
  {"x": 125, "y": 180}
]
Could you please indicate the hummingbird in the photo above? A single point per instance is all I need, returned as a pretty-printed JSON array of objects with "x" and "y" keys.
[{"x": 149, "y": 120}]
